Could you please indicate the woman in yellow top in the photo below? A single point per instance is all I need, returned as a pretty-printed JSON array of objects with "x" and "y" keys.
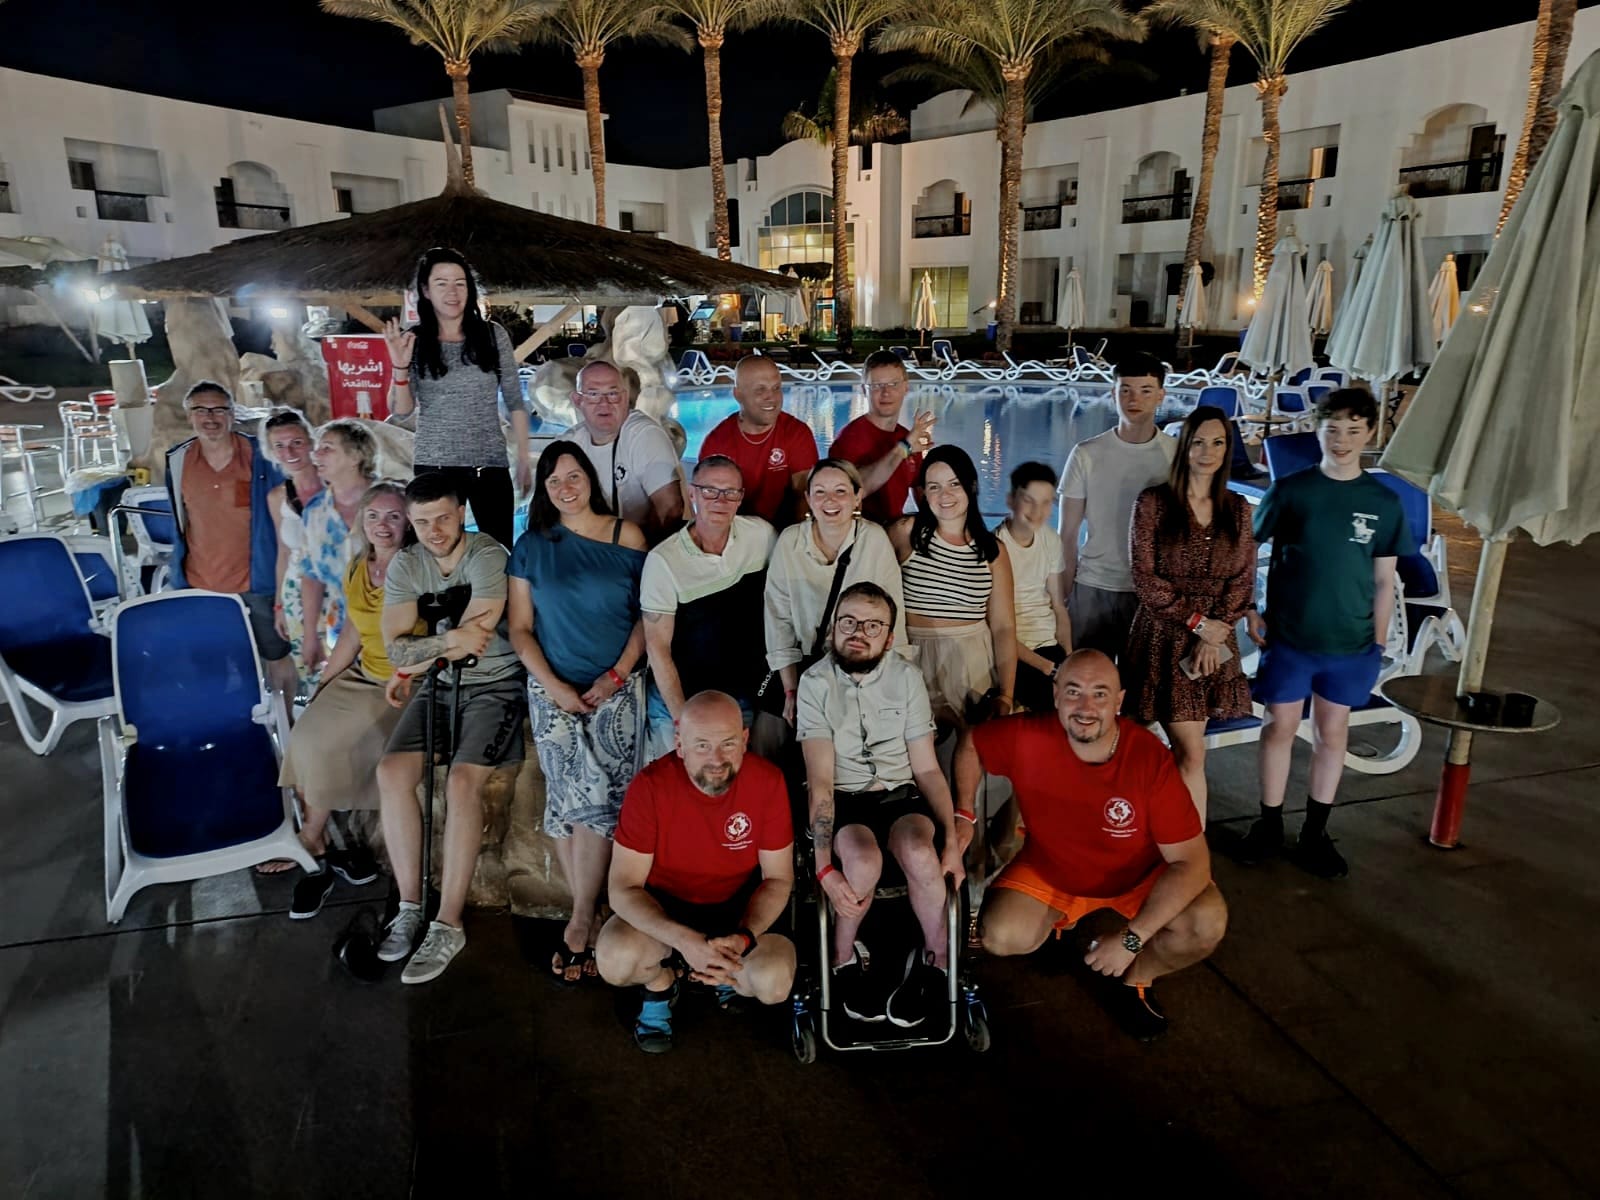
[{"x": 333, "y": 753}]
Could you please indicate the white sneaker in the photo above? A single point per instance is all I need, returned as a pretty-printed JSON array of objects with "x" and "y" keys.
[
  {"x": 402, "y": 933},
  {"x": 442, "y": 944}
]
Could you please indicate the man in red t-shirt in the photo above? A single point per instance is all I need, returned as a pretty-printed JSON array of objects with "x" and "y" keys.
[
  {"x": 774, "y": 451},
  {"x": 1110, "y": 825},
  {"x": 703, "y": 865},
  {"x": 887, "y": 454}
]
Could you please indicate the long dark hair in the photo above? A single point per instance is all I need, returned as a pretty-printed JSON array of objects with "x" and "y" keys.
[
  {"x": 924, "y": 525},
  {"x": 543, "y": 515},
  {"x": 1175, "y": 521},
  {"x": 480, "y": 347}
]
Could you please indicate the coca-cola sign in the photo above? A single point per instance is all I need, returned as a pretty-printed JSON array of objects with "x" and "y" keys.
[{"x": 358, "y": 375}]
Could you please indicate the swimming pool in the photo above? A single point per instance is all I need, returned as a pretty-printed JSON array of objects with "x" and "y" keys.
[{"x": 999, "y": 426}]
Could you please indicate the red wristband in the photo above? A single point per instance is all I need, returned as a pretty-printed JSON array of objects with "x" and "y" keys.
[
  {"x": 825, "y": 872},
  {"x": 1195, "y": 622},
  {"x": 970, "y": 818},
  {"x": 615, "y": 678}
]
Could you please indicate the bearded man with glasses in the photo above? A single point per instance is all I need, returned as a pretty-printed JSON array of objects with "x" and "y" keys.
[
  {"x": 631, "y": 452},
  {"x": 866, "y": 728}
]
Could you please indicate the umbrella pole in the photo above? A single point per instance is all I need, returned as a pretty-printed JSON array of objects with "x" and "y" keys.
[{"x": 1452, "y": 797}]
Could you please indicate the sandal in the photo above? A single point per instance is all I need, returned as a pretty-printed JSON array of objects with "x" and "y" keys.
[
  {"x": 566, "y": 959},
  {"x": 276, "y": 866}
]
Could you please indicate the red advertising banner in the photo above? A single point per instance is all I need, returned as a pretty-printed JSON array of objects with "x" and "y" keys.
[{"x": 358, "y": 375}]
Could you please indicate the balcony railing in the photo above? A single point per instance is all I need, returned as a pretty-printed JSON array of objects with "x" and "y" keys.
[
  {"x": 121, "y": 206},
  {"x": 1464, "y": 177},
  {"x": 1173, "y": 206},
  {"x": 5, "y": 196},
  {"x": 1295, "y": 193},
  {"x": 1067, "y": 193},
  {"x": 954, "y": 225},
  {"x": 232, "y": 215},
  {"x": 1041, "y": 216}
]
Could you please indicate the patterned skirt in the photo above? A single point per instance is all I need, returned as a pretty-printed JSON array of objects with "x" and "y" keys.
[{"x": 588, "y": 759}]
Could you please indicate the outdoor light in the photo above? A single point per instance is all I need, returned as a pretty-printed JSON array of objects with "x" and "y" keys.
[
  {"x": 278, "y": 312},
  {"x": 92, "y": 295}
]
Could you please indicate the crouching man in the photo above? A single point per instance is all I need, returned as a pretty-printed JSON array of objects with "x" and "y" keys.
[
  {"x": 1110, "y": 825},
  {"x": 866, "y": 727},
  {"x": 702, "y": 868}
]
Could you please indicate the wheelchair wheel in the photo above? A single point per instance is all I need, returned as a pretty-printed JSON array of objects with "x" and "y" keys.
[
  {"x": 975, "y": 1025},
  {"x": 803, "y": 1039}
]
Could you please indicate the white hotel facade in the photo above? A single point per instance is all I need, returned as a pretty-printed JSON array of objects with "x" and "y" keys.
[{"x": 1108, "y": 192}]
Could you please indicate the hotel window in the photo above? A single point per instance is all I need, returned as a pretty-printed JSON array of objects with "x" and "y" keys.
[
  {"x": 950, "y": 305},
  {"x": 544, "y": 137},
  {"x": 574, "y": 143}
]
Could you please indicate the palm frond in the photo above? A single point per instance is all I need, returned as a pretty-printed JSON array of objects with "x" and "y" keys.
[
  {"x": 871, "y": 119},
  {"x": 1269, "y": 30},
  {"x": 456, "y": 29},
  {"x": 848, "y": 19}
]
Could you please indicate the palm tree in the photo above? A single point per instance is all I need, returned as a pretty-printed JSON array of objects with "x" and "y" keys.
[
  {"x": 871, "y": 120},
  {"x": 845, "y": 23},
  {"x": 1221, "y": 45},
  {"x": 712, "y": 21},
  {"x": 456, "y": 30},
  {"x": 1552, "y": 37},
  {"x": 1271, "y": 30},
  {"x": 589, "y": 27},
  {"x": 1013, "y": 36}
]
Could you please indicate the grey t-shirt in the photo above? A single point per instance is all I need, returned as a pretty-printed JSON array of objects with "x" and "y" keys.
[
  {"x": 414, "y": 576},
  {"x": 458, "y": 419}
]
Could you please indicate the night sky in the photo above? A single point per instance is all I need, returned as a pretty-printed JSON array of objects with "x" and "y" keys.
[{"x": 301, "y": 63}]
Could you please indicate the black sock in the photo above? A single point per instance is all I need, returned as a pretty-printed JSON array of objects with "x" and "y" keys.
[
  {"x": 1272, "y": 817},
  {"x": 1316, "y": 818}
]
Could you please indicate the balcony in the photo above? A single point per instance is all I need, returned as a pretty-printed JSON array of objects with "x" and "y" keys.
[
  {"x": 1173, "y": 206},
  {"x": 1464, "y": 177},
  {"x": 5, "y": 197},
  {"x": 1041, "y": 216},
  {"x": 1295, "y": 193},
  {"x": 232, "y": 215},
  {"x": 1068, "y": 192},
  {"x": 953, "y": 225},
  {"x": 121, "y": 206}
]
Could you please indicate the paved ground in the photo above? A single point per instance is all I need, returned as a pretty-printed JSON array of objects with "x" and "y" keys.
[{"x": 1426, "y": 1028}]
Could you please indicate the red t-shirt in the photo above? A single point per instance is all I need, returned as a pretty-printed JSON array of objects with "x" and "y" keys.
[
  {"x": 767, "y": 464},
  {"x": 1093, "y": 828},
  {"x": 863, "y": 443},
  {"x": 705, "y": 847}
]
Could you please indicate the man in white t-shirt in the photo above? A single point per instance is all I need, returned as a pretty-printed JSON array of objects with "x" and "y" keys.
[
  {"x": 1105, "y": 475},
  {"x": 632, "y": 454},
  {"x": 1044, "y": 631}
]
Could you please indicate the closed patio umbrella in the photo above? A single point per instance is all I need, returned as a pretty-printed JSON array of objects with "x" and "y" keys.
[
  {"x": 927, "y": 316},
  {"x": 114, "y": 319},
  {"x": 1192, "y": 310},
  {"x": 1384, "y": 330},
  {"x": 1505, "y": 429},
  {"x": 1319, "y": 298},
  {"x": 1444, "y": 298},
  {"x": 1070, "y": 307},
  {"x": 1279, "y": 337}
]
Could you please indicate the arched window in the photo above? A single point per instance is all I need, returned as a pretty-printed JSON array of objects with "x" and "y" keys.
[
  {"x": 1458, "y": 150},
  {"x": 1158, "y": 190},
  {"x": 249, "y": 196},
  {"x": 798, "y": 228},
  {"x": 942, "y": 210}
]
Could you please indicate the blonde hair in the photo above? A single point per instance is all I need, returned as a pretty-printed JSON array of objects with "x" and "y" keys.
[
  {"x": 358, "y": 440},
  {"x": 358, "y": 535}
]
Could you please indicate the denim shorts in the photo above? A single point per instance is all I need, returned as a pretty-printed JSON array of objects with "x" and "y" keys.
[{"x": 1287, "y": 674}]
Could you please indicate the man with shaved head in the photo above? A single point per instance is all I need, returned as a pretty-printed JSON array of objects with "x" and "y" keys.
[
  {"x": 1110, "y": 826},
  {"x": 775, "y": 452},
  {"x": 702, "y": 867},
  {"x": 634, "y": 457}
]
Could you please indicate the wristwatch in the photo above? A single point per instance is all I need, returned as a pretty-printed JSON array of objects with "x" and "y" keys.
[
  {"x": 1132, "y": 942},
  {"x": 905, "y": 444}
]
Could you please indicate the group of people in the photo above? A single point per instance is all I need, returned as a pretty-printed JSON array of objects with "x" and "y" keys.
[{"x": 800, "y": 644}]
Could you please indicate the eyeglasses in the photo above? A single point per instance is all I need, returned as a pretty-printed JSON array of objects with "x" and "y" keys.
[
  {"x": 716, "y": 493},
  {"x": 886, "y": 387},
  {"x": 204, "y": 410},
  {"x": 872, "y": 627},
  {"x": 609, "y": 397}
]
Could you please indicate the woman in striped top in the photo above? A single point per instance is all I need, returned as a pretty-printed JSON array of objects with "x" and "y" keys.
[{"x": 957, "y": 582}]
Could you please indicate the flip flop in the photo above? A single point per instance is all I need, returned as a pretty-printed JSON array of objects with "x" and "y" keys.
[
  {"x": 276, "y": 866},
  {"x": 570, "y": 958}
]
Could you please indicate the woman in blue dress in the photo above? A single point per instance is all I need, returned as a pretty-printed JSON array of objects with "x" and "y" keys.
[{"x": 573, "y": 614}]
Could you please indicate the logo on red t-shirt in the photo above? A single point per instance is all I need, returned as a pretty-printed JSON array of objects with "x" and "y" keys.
[
  {"x": 777, "y": 459},
  {"x": 1119, "y": 817},
  {"x": 737, "y": 831}
]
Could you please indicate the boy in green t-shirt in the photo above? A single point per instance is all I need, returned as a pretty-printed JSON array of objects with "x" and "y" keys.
[{"x": 1336, "y": 533}]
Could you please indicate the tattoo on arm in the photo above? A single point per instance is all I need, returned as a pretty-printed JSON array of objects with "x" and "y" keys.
[
  {"x": 410, "y": 650},
  {"x": 822, "y": 828}
]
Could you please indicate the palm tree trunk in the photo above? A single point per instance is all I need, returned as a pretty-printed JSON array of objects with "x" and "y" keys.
[
  {"x": 1210, "y": 139},
  {"x": 1271, "y": 90},
  {"x": 589, "y": 64},
  {"x": 1013, "y": 128},
  {"x": 1518, "y": 174},
  {"x": 1555, "y": 69},
  {"x": 457, "y": 70},
  {"x": 844, "y": 50},
  {"x": 711, "y": 44}
]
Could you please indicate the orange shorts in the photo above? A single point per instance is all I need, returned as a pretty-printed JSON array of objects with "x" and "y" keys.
[{"x": 1020, "y": 876}]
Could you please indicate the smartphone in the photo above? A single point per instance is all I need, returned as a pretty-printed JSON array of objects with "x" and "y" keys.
[{"x": 1186, "y": 665}]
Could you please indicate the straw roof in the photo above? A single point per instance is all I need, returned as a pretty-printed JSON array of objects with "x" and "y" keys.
[
  {"x": 519, "y": 254},
  {"x": 23, "y": 278}
]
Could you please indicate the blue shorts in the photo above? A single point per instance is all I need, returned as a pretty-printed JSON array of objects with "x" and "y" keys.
[{"x": 1287, "y": 674}]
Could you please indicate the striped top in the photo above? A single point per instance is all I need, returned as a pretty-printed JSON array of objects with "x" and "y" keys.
[{"x": 947, "y": 582}]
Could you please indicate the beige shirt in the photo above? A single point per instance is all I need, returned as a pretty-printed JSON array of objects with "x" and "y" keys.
[
  {"x": 871, "y": 721},
  {"x": 799, "y": 580},
  {"x": 1031, "y": 567}
]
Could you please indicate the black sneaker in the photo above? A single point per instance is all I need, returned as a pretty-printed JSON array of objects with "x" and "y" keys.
[
  {"x": 1137, "y": 1011},
  {"x": 853, "y": 991},
  {"x": 309, "y": 893},
  {"x": 356, "y": 866},
  {"x": 1316, "y": 856},
  {"x": 1263, "y": 841},
  {"x": 920, "y": 993}
]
